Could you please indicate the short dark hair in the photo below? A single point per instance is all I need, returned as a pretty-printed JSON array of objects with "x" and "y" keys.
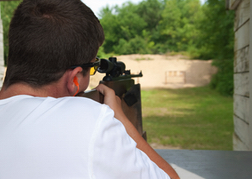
[{"x": 48, "y": 36}]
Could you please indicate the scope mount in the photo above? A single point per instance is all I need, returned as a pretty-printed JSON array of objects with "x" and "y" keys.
[{"x": 115, "y": 70}]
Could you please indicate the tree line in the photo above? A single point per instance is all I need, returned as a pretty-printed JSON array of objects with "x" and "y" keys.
[
  {"x": 163, "y": 26},
  {"x": 203, "y": 31}
]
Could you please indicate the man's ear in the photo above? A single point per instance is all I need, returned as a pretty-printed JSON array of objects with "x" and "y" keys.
[{"x": 73, "y": 81}]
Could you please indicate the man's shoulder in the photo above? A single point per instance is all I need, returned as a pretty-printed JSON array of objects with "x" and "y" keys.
[
  {"x": 73, "y": 103},
  {"x": 80, "y": 100},
  {"x": 82, "y": 104},
  {"x": 51, "y": 103}
]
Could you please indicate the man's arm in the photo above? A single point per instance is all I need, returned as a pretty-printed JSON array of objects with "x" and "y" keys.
[{"x": 114, "y": 103}]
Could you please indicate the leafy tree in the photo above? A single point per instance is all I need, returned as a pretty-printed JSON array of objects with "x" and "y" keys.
[
  {"x": 7, "y": 10},
  {"x": 110, "y": 25},
  {"x": 178, "y": 23},
  {"x": 131, "y": 23},
  {"x": 135, "y": 45},
  {"x": 216, "y": 25},
  {"x": 150, "y": 11},
  {"x": 216, "y": 41},
  {"x": 120, "y": 26}
]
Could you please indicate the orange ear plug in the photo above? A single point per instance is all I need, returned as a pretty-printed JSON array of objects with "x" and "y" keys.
[{"x": 75, "y": 80}]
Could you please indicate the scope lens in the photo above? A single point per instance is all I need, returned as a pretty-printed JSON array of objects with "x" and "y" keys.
[{"x": 104, "y": 65}]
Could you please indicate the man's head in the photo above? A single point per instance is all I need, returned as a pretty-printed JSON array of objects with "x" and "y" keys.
[{"x": 46, "y": 37}]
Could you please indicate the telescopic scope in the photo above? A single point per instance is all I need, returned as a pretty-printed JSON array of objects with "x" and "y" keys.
[{"x": 112, "y": 68}]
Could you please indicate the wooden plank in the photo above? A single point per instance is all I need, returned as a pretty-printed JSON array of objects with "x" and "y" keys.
[
  {"x": 233, "y": 4},
  {"x": 241, "y": 107},
  {"x": 241, "y": 139},
  {"x": 241, "y": 129},
  {"x": 241, "y": 60},
  {"x": 238, "y": 145},
  {"x": 2, "y": 69},
  {"x": 241, "y": 84},
  {"x": 250, "y": 83},
  {"x": 242, "y": 37},
  {"x": 242, "y": 14}
]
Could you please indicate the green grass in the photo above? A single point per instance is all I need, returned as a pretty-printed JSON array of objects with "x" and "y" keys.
[{"x": 190, "y": 118}]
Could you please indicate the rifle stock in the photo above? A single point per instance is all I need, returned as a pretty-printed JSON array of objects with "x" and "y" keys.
[{"x": 130, "y": 95}]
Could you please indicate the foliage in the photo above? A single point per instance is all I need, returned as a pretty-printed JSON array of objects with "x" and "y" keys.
[
  {"x": 190, "y": 118},
  {"x": 217, "y": 31},
  {"x": 7, "y": 10},
  {"x": 216, "y": 40},
  {"x": 121, "y": 27},
  {"x": 152, "y": 26},
  {"x": 178, "y": 24},
  {"x": 223, "y": 81},
  {"x": 162, "y": 26}
]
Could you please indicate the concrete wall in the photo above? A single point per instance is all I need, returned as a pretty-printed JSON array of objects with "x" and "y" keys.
[{"x": 242, "y": 90}]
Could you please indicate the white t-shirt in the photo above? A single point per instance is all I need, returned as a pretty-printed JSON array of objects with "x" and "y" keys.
[{"x": 67, "y": 138}]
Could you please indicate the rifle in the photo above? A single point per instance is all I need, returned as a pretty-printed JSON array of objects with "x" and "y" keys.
[{"x": 120, "y": 80}]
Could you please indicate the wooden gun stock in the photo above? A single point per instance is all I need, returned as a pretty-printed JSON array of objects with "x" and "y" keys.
[{"x": 130, "y": 95}]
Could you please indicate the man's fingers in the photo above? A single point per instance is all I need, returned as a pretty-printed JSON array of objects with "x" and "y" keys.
[
  {"x": 103, "y": 89},
  {"x": 109, "y": 95}
]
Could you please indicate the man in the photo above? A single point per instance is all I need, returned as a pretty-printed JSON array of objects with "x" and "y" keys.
[{"x": 45, "y": 132}]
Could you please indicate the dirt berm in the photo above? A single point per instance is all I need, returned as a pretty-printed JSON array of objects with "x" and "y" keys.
[{"x": 164, "y": 71}]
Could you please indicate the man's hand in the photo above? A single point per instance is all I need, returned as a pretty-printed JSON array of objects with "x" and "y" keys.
[{"x": 113, "y": 101}]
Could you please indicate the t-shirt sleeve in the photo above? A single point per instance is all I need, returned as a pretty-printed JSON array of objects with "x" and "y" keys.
[{"x": 113, "y": 153}]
